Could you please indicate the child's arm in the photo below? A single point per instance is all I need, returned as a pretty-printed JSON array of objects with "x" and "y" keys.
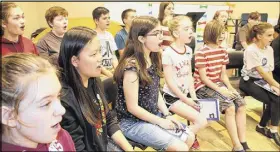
[
  {"x": 131, "y": 91},
  {"x": 120, "y": 140},
  {"x": 225, "y": 79},
  {"x": 106, "y": 72},
  {"x": 115, "y": 61},
  {"x": 162, "y": 107},
  {"x": 210, "y": 84},
  {"x": 167, "y": 69},
  {"x": 267, "y": 76},
  {"x": 191, "y": 86}
]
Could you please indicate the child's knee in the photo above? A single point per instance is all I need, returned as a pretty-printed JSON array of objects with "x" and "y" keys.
[
  {"x": 230, "y": 111},
  {"x": 190, "y": 139},
  {"x": 202, "y": 121},
  {"x": 242, "y": 109}
]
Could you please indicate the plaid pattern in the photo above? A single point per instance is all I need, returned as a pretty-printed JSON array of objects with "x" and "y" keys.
[{"x": 206, "y": 92}]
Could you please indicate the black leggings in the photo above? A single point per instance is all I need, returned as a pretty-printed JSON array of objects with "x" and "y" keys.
[
  {"x": 276, "y": 74},
  {"x": 272, "y": 111}
]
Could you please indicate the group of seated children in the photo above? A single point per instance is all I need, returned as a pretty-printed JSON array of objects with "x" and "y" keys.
[{"x": 62, "y": 106}]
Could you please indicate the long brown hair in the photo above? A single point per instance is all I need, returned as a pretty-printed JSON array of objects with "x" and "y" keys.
[
  {"x": 72, "y": 44},
  {"x": 141, "y": 26},
  {"x": 162, "y": 7}
]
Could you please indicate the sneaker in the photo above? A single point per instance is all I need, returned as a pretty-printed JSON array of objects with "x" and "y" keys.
[
  {"x": 195, "y": 145},
  {"x": 245, "y": 146},
  {"x": 274, "y": 136},
  {"x": 238, "y": 150},
  {"x": 263, "y": 130}
]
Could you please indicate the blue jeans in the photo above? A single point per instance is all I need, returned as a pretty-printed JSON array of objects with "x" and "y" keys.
[
  {"x": 112, "y": 146},
  {"x": 152, "y": 135}
]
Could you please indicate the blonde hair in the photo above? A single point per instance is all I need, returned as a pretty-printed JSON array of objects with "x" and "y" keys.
[
  {"x": 213, "y": 31},
  {"x": 18, "y": 71},
  {"x": 175, "y": 23}
]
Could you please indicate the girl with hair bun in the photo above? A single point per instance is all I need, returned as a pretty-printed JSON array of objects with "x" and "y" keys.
[{"x": 258, "y": 65}]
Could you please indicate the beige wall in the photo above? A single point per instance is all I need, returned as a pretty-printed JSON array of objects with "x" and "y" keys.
[
  {"x": 272, "y": 8},
  {"x": 35, "y": 11}
]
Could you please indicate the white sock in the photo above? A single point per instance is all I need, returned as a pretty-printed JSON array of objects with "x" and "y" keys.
[
  {"x": 260, "y": 126},
  {"x": 273, "y": 131}
]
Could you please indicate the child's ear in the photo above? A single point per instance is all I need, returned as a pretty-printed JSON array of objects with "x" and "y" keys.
[
  {"x": 75, "y": 61},
  {"x": 3, "y": 23},
  {"x": 259, "y": 36},
  {"x": 8, "y": 117},
  {"x": 141, "y": 39},
  {"x": 96, "y": 21},
  {"x": 51, "y": 24}
]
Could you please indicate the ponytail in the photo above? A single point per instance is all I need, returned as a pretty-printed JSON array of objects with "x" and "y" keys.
[{"x": 258, "y": 29}]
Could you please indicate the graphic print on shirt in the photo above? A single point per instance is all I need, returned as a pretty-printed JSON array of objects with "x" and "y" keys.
[
  {"x": 264, "y": 61},
  {"x": 55, "y": 146},
  {"x": 101, "y": 122},
  {"x": 182, "y": 71},
  {"x": 107, "y": 54}
]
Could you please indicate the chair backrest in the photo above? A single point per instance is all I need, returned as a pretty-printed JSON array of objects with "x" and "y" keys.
[
  {"x": 111, "y": 91},
  {"x": 235, "y": 59}
]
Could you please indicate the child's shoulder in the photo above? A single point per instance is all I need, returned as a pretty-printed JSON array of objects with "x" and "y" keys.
[
  {"x": 107, "y": 33},
  {"x": 202, "y": 49},
  {"x": 252, "y": 48},
  {"x": 131, "y": 64}
]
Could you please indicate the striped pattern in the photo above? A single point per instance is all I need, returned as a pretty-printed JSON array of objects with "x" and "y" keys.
[{"x": 212, "y": 60}]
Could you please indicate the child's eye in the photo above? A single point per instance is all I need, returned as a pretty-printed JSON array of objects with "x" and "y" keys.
[
  {"x": 93, "y": 54},
  {"x": 46, "y": 105}
]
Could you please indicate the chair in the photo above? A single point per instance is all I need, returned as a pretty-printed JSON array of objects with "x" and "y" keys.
[
  {"x": 236, "y": 62},
  {"x": 111, "y": 91}
]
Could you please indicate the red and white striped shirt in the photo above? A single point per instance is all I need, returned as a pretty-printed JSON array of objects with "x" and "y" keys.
[{"x": 211, "y": 59}]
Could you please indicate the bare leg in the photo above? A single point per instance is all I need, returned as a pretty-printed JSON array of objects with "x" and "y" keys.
[
  {"x": 231, "y": 128},
  {"x": 178, "y": 146},
  {"x": 191, "y": 114},
  {"x": 241, "y": 123}
]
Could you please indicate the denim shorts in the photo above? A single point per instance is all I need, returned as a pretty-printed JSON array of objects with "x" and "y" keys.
[{"x": 152, "y": 135}]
